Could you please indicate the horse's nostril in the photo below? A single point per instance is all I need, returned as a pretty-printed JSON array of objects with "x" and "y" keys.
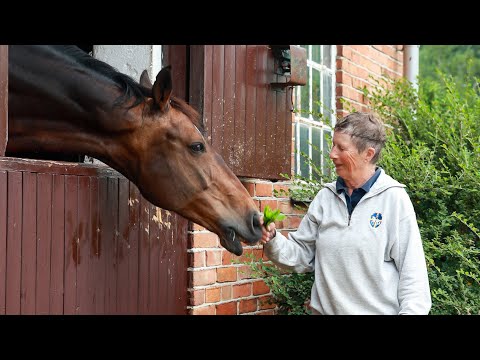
[{"x": 256, "y": 220}]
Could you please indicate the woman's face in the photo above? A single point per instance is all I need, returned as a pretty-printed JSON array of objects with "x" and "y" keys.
[{"x": 344, "y": 154}]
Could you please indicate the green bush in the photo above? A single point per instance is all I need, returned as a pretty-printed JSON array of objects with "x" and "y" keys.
[
  {"x": 434, "y": 149},
  {"x": 290, "y": 291}
]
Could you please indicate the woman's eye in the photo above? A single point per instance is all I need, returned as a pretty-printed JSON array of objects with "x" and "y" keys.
[{"x": 197, "y": 147}]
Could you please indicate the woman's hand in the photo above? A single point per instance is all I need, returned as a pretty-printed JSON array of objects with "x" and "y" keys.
[{"x": 269, "y": 232}]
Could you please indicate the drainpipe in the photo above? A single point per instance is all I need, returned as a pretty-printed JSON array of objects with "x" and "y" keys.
[{"x": 411, "y": 64}]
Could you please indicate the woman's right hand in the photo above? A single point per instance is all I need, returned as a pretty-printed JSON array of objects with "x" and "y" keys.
[{"x": 267, "y": 233}]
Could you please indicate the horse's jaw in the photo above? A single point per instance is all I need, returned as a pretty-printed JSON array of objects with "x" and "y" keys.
[{"x": 231, "y": 241}]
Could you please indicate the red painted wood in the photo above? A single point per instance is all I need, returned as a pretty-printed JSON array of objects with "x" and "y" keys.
[
  {"x": 262, "y": 142},
  {"x": 217, "y": 98},
  {"x": 29, "y": 243},
  {"x": 84, "y": 304},
  {"x": 133, "y": 241},
  {"x": 56, "y": 167},
  {"x": 239, "y": 144},
  {"x": 208, "y": 99},
  {"x": 111, "y": 248},
  {"x": 250, "y": 112},
  {"x": 144, "y": 257},
  {"x": 71, "y": 244},
  {"x": 3, "y": 238},
  {"x": 14, "y": 243},
  {"x": 103, "y": 220},
  {"x": 228, "y": 139},
  {"x": 57, "y": 260},
  {"x": 123, "y": 246},
  {"x": 44, "y": 242},
  {"x": 154, "y": 253},
  {"x": 93, "y": 247}
]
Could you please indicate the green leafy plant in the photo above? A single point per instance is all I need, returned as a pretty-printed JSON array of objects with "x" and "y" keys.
[
  {"x": 270, "y": 215},
  {"x": 290, "y": 291}
]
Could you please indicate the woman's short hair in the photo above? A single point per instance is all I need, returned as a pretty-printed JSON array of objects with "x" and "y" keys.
[{"x": 366, "y": 130}]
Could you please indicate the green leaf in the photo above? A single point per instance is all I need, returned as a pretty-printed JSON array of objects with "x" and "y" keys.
[{"x": 270, "y": 215}]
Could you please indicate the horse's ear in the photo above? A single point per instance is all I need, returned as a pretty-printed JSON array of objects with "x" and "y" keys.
[
  {"x": 162, "y": 89},
  {"x": 145, "y": 80}
]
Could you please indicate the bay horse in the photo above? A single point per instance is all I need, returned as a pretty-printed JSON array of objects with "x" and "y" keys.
[{"x": 62, "y": 100}]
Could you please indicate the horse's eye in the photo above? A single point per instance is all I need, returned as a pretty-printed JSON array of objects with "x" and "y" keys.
[{"x": 197, "y": 147}]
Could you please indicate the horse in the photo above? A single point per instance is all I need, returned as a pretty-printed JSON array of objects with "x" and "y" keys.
[{"x": 61, "y": 100}]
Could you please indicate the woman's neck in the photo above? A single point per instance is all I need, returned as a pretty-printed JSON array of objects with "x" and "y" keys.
[{"x": 359, "y": 179}]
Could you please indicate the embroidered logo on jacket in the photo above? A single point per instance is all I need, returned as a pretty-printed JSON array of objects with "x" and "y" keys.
[{"x": 376, "y": 220}]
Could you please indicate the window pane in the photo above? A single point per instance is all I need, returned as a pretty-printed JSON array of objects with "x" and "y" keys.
[
  {"x": 327, "y": 97},
  {"x": 304, "y": 169},
  {"x": 327, "y": 141},
  {"x": 316, "y": 94},
  {"x": 327, "y": 59},
  {"x": 316, "y": 152},
  {"x": 304, "y": 98},
  {"x": 316, "y": 53}
]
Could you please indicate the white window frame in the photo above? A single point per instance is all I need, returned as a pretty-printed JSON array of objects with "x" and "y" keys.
[{"x": 307, "y": 119}]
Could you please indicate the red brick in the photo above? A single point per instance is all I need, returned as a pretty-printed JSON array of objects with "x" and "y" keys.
[
  {"x": 263, "y": 189},
  {"x": 229, "y": 308},
  {"x": 259, "y": 288},
  {"x": 212, "y": 295},
  {"x": 203, "y": 310},
  {"x": 250, "y": 188},
  {"x": 214, "y": 257},
  {"x": 245, "y": 272},
  {"x": 226, "y": 274},
  {"x": 293, "y": 222},
  {"x": 247, "y": 306},
  {"x": 203, "y": 277},
  {"x": 196, "y": 259},
  {"x": 196, "y": 297},
  {"x": 242, "y": 290},
  {"x": 272, "y": 203},
  {"x": 228, "y": 257},
  {"x": 204, "y": 240},
  {"x": 264, "y": 303},
  {"x": 226, "y": 292}
]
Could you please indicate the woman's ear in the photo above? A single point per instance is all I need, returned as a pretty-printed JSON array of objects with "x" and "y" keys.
[{"x": 370, "y": 154}]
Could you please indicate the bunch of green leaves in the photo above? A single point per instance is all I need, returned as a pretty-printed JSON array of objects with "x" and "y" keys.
[{"x": 270, "y": 215}]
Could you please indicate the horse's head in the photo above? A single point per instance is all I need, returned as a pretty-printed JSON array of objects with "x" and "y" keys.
[{"x": 178, "y": 170}]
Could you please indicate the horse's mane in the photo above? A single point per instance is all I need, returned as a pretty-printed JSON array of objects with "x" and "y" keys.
[{"x": 130, "y": 87}]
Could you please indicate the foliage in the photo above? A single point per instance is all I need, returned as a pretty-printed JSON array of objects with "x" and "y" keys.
[
  {"x": 270, "y": 215},
  {"x": 434, "y": 149},
  {"x": 460, "y": 61},
  {"x": 290, "y": 291}
]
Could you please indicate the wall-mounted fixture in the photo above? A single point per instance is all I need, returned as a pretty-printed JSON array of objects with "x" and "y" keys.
[{"x": 290, "y": 62}]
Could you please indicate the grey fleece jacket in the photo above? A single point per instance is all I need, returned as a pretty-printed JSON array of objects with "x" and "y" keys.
[{"x": 371, "y": 262}]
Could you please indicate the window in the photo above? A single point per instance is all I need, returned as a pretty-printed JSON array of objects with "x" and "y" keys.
[{"x": 315, "y": 111}]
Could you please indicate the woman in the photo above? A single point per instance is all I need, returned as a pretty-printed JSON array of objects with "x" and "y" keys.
[{"x": 360, "y": 235}]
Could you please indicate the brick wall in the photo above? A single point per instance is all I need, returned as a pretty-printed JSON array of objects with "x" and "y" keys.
[
  {"x": 219, "y": 284},
  {"x": 358, "y": 66}
]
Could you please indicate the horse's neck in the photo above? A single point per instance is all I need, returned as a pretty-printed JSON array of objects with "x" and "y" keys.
[{"x": 55, "y": 107}]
